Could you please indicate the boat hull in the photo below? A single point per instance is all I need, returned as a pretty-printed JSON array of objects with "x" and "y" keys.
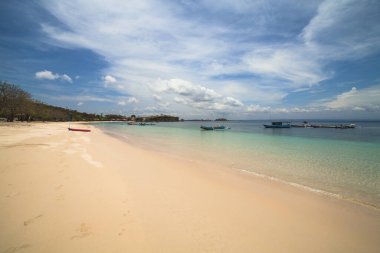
[
  {"x": 79, "y": 129},
  {"x": 208, "y": 128},
  {"x": 274, "y": 126}
]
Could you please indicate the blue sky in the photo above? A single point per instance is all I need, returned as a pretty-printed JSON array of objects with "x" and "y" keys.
[{"x": 238, "y": 59}]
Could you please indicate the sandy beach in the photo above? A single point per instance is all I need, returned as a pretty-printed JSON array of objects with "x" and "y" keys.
[{"x": 64, "y": 191}]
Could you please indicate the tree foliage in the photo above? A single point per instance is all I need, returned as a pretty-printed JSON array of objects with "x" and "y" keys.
[
  {"x": 17, "y": 103},
  {"x": 13, "y": 101}
]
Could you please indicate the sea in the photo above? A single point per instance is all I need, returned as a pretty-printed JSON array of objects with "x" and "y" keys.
[{"x": 341, "y": 163}]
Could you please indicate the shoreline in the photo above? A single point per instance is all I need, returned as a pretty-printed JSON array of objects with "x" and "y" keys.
[
  {"x": 313, "y": 190},
  {"x": 269, "y": 178},
  {"x": 92, "y": 192}
]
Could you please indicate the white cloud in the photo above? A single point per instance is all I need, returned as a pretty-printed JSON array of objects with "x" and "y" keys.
[
  {"x": 45, "y": 74},
  {"x": 280, "y": 110},
  {"x": 331, "y": 35},
  {"x": 80, "y": 104},
  {"x": 66, "y": 78},
  {"x": 130, "y": 100},
  {"x": 108, "y": 79},
  {"x": 133, "y": 100},
  {"x": 354, "y": 100},
  {"x": 366, "y": 99},
  {"x": 180, "y": 100},
  {"x": 258, "y": 108},
  {"x": 194, "y": 96},
  {"x": 232, "y": 102},
  {"x": 157, "y": 97},
  {"x": 295, "y": 64},
  {"x": 185, "y": 88},
  {"x": 335, "y": 34},
  {"x": 144, "y": 40},
  {"x": 251, "y": 91}
]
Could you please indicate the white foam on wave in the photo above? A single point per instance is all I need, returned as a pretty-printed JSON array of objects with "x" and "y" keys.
[
  {"x": 311, "y": 189},
  {"x": 305, "y": 187}
]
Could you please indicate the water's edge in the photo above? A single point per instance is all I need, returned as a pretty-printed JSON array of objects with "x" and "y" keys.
[{"x": 255, "y": 174}]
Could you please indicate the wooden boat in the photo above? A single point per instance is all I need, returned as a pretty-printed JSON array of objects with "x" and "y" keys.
[
  {"x": 219, "y": 127},
  {"x": 304, "y": 125},
  {"x": 146, "y": 124},
  {"x": 79, "y": 129},
  {"x": 207, "y": 127},
  {"x": 278, "y": 124},
  {"x": 323, "y": 126},
  {"x": 213, "y": 127},
  {"x": 335, "y": 126},
  {"x": 346, "y": 126}
]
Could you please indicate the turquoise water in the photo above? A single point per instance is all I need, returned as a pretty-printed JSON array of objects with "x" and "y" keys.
[{"x": 344, "y": 163}]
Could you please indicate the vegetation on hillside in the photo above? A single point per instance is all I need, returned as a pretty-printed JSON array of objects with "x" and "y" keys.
[{"x": 15, "y": 103}]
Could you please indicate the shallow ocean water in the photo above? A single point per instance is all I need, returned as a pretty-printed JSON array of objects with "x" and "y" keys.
[{"x": 339, "y": 162}]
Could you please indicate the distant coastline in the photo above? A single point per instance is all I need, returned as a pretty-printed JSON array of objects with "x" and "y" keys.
[{"x": 18, "y": 105}]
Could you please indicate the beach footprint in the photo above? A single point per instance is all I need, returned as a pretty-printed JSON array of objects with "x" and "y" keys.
[
  {"x": 17, "y": 248},
  {"x": 125, "y": 217},
  {"x": 32, "y": 220},
  {"x": 121, "y": 232},
  {"x": 82, "y": 232},
  {"x": 60, "y": 197},
  {"x": 58, "y": 187},
  {"x": 12, "y": 194}
]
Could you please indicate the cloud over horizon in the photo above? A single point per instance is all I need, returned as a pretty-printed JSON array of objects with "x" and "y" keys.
[
  {"x": 239, "y": 57},
  {"x": 46, "y": 74}
]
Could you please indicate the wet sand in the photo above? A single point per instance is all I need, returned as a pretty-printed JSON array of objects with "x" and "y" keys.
[{"x": 64, "y": 191}]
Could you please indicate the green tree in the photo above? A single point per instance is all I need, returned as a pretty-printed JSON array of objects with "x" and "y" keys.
[{"x": 13, "y": 101}]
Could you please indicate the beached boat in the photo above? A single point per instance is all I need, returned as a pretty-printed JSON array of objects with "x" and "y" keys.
[
  {"x": 213, "y": 127},
  {"x": 278, "y": 124},
  {"x": 79, "y": 129}
]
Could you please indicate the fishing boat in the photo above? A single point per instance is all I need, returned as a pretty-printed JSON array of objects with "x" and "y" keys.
[
  {"x": 335, "y": 126},
  {"x": 213, "y": 127},
  {"x": 278, "y": 124},
  {"x": 305, "y": 125},
  {"x": 346, "y": 126},
  {"x": 219, "y": 127},
  {"x": 79, "y": 129},
  {"x": 146, "y": 124}
]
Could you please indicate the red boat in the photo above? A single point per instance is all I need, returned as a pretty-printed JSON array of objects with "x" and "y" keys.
[{"x": 79, "y": 129}]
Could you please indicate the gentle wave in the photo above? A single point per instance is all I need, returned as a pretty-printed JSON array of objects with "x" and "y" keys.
[
  {"x": 343, "y": 169},
  {"x": 311, "y": 189}
]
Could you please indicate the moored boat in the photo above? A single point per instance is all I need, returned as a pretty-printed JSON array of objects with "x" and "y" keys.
[
  {"x": 278, "y": 124},
  {"x": 305, "y": 125},
  {"x": 146, "y": 124},
  {"x": 335, "y": 126},
  {"x": 218, "y": 127},
  {"x": 207, "y": 127}
]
